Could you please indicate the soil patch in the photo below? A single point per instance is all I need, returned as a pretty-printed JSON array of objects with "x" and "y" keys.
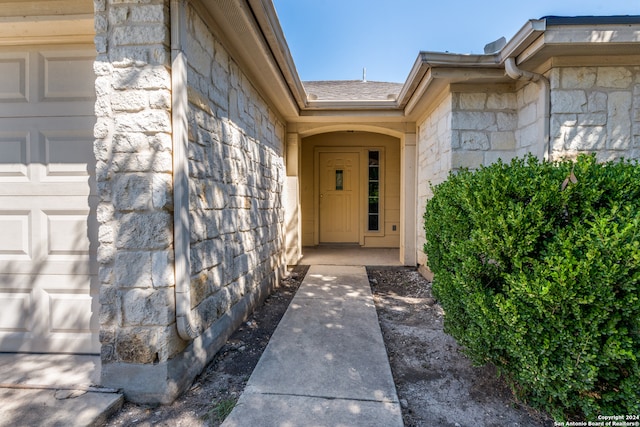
[{"x": 436, "y": 383}]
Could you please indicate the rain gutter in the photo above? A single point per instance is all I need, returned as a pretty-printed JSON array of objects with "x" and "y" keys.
[{"x": 431, "y": 67}]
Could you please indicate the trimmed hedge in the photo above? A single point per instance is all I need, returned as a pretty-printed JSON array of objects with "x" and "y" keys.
[{"x": 537, "y": 266}]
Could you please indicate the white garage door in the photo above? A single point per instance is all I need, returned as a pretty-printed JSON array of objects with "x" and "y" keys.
[{"x": 48, "y": 230}]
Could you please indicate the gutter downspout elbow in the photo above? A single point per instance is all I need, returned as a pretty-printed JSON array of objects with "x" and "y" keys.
[
  {"x": 512, "y": 70},
  {"x": 179, "y": 123}
]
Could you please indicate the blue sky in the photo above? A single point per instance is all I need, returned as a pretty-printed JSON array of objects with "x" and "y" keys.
[{"x": 336, "y": 39}]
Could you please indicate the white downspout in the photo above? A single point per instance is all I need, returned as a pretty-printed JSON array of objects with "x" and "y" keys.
[
  {"x": 516, "y": 73},
  {"x": 181, "y": 232}
]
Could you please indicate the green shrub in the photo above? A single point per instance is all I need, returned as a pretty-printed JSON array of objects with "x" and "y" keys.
[{"x": 537, "y": 266}]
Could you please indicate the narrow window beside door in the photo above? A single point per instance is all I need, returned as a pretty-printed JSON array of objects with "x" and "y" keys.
[
  {"x": 339, "y": 179},
  {"x": 374, "y": 191}
]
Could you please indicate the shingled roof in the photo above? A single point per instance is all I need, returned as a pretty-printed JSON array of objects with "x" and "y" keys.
[{"x": 351, "y": 90}]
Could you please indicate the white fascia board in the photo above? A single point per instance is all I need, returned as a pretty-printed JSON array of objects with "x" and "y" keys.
[
  {"x": 267, "y": 18},
  {"x": 440, "y": 59},
  {"x": 236, "y": 24},
  {"x": 593, "y": 35},
  {"x": 416, "y": 74},
  {"x": 432, "y": 65},
  {"x": 583, "y": 42},
  {"x": 353, "y": 116},
  {"x": 528, "y": 34},
  {"x": 351, "y": 105}
]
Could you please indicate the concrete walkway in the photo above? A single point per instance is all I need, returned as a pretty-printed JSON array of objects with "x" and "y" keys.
[
  {"x": 326, "y": 363},
  {"x": 349, "y": 255}
]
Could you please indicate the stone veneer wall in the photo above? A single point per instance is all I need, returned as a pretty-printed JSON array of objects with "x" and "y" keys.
[
  {"x": 236, "y": 176},
  {"x": 529, "y": 133},
  {"x": 467, "y": 129},
  {"x": 236, "y": 168},
  {"x": 595, "y": 110},
  {"x": 434, "y": 161},
  {"x": 133, "y": 172},
  {"x": 483, "y": 128}
]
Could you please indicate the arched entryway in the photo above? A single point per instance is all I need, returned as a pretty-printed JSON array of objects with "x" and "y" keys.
[{"x": 350, "y": 189}]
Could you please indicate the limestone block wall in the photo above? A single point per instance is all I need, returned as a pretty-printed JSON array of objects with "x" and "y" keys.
[
  {"x": 434, "y": 157},
  {"x": 595, "y": 110},
  {"x": 467, "y": 129},
  {"x": 529, "y": 133},
  {"x": 236, "y": 171},
  {"x": 133, "y": 174},
  {"x": 483, "y": 127},
  {"x": 236, "y": 175}
]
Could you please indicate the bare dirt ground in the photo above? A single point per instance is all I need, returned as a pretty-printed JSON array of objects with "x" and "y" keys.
[{"x": 436, "y": 384}]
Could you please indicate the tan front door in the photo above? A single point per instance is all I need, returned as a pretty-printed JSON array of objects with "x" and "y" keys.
[
  {"x": 48, "y": 228},
  {"x": 339, "y": 196}
]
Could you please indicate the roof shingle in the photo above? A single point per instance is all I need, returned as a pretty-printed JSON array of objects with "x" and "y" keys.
[{"x": 351, "y": 90}]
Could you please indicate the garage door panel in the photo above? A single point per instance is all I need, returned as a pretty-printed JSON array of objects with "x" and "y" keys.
[
  {"x": 68, "y": 234},
  {"x": 43, "y": 151},
  {"x": 70, "y": 313},
  {"x": 67, "y": 155},
  {"x": 15, "y": 229},
  {"x": 67, "y": 76},
  {"x": 43, "y": 312},
  {"x": 44, "y": 235},
  {"x": 54, "y": 81},
  {"x": 58, "y": 265},
  {"x": 15, "y": 314},
  {"x": 48, "y": 188},
  {"x": 14, "y": 156},
  {"x": 64, "y": 343},
  {"x": 13, "y": 77},
  {"x": 50, "y": 109}
]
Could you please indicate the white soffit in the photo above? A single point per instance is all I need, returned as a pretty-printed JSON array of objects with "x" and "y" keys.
[{"x": 242, "y": 35}]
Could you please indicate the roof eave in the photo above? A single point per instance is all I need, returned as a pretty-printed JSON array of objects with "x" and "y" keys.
[
  {"x": 431, "y": 60},
  {"x": 604, "y": 43},
  {"x": 530, "y": 32},
  {"x": 267, "y": 18},
  {"x": 250, "y": 31},
  {"x": 428, "y": 62},
  {"x": 450, "y": 65}
]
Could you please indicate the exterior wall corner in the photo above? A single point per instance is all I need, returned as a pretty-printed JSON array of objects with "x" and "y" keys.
[
  {"x": 292, "y": 208},
  {"x": 408, "y": 199},
  {"x": 236, "y": 193}
]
